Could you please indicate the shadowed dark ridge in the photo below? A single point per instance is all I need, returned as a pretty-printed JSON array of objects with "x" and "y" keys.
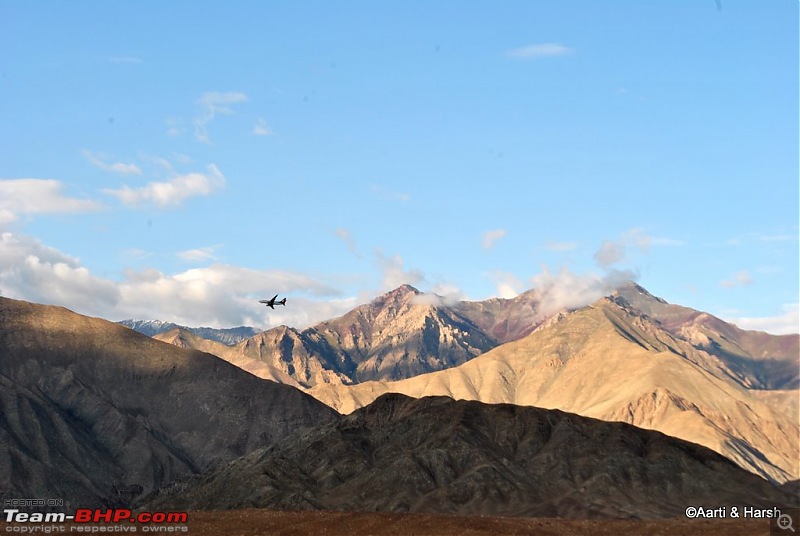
[
  {"x": 99, "y": 414},
  {"x": 437, "y": 455}
]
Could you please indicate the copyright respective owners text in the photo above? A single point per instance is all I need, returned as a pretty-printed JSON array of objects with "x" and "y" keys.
[
  {"x": 782, "y": 520},
  {"x": 21, "y": 520}
]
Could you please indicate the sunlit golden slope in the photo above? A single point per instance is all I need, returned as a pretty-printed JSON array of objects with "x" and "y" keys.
[
  {"x": 236, "y": 355},
  {"x": 609, "y": 362}
]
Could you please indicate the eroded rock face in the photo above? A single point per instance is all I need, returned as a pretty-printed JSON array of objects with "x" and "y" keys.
[
  {"x": 439, "y": 455},
  {"x": 98, "y": 414},
  {"x": 609, "y": 361},
  {"x": 756, "y": 359},
  {"x": 400, "y": 335},
  {"x": 504, "y": 320},
  {"x": 631, "y": 357},
  {"x": 397, "y": 335}
]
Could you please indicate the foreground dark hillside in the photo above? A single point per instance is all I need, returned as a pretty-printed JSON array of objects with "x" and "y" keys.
[
  {"x": 96, "y": 413},
  {"x": 437, "y": 455}
]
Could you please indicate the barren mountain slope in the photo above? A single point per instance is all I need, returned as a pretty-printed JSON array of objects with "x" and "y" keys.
[
  {"x": 438, "y": 455},
  {"x": 502, "y": 319},
  {"x": 94, "y": 412},
  {"x": 607, "y": 361},
  {"x": 758, "y": 360},
  {"x": 402, "y": 334},
  {"x": 304, "y": 357},
  {"x": 232, "y": 354}
]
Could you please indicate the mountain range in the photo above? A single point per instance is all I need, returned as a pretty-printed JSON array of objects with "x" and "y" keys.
[
  {"x": 611, "y": 410},
  {"x": 400, "y": 334},
  {"x": 225, "y": 335},
  {"x": 631, "y": 357},
  {"x": 608, "y": 362},
  {"x": 99, "y": 414},
  {"x": 435, "y": 454}
]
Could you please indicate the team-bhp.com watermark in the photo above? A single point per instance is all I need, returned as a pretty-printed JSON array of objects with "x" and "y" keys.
[{"x": 97, "y": 520}]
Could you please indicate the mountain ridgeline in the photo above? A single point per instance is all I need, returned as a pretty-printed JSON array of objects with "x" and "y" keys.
[
  {"x": 437, "y": 455},
  {"x": 405, "y": 333},
  {"x": 400, "y": 334},
  {"x": 226, "y": 336},
  {"x": 100, "y": 415},
  {"x": 630, "y": 357},
  {"x": 629, "y": 407},
  {"x": 609, "y": 362}
]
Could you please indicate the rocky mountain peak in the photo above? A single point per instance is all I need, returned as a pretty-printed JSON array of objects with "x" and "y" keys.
[
  {"x": 399, "y": 296},
  {"x": 180, "y": 337},
  {"x": 635, "y": 293}
]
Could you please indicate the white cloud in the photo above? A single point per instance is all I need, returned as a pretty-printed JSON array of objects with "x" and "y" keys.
[
  {"x": 638, "y": 238},
  {"x": 261, "y": 128},
  {"x": 490, "y": 238},
  {"x": 782, "y": 324},
  {"x": 393, "y": 274},
  {"x": 175, "y": 126},
  {"x": 668, "y": 242},
  {"x": 182, "y": 159},
  {"x": 219, "y": 295},
  {"x": 609, "y": 253},
  {"x": 136, "y": 253},
  {"x": 345, "y": 236},
  {"x": 159, "y": 161},
  {"x": 439, "y": 295},
  {"x": 777, "y": 238},
  {"x": 171, "y": 192},
  {"x": 38, "y": 196},
  {"x": 508, "y": 285},
  {"x": 302, "y": 312},
  {"x": 612, "y": 252},
  {"x": 567, "y": 290},
  {"x": 32, "y": 271},
  {"x": 561, "y": 246},
  {"x": 739, "y": 279},
  {"x": 388, "y": 195},
  {"x": 213, "y": 104},
  {"x": 541, "y": 50},
  {"x": 428, "y": 298},
  {"x": 204, "y": 254},
  {"x": 117, "y": 167},
  {"x": 450, "y": 292}
]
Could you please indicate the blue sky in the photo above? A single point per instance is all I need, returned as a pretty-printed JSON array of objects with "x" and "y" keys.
[{"x": 179, "y": 160}]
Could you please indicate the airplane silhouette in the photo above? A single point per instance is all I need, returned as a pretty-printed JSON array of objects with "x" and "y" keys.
[{"x": 272, "y": 303}]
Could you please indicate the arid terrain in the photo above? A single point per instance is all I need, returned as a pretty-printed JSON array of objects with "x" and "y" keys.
[
  {"x": 592, "y": 416},
  {"x": 611, "y": 362}
]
